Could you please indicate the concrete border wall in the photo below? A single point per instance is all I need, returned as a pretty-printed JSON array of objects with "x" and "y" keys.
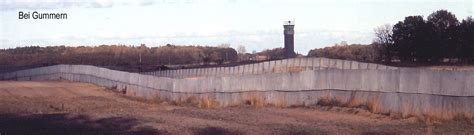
[
  {"x": 275, "y": 66},
  {"x": 407, "y": 91}
]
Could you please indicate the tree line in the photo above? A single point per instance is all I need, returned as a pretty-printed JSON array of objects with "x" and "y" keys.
[
  {"x": 356, "y": 52},
  {"x": 134, "y": 58},
  {"x": 439, "y": 38}
]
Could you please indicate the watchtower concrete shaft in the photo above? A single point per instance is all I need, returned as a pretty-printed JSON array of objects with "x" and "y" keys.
[{"x": 289, "y": 33}]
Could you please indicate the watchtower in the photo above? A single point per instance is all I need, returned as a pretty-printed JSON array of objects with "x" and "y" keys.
[{"x": 289, "y": 33}]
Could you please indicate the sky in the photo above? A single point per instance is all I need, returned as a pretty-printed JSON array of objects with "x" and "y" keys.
[{"x": 255, "y": 24}]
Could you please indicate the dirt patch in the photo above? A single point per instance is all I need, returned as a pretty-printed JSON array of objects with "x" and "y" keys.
[{"x": 61, "y": 107}]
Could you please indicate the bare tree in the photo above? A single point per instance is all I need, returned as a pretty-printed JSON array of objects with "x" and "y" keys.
[
  {"x": 383, "y": 36},
  {"x": 141, "y": 50}
]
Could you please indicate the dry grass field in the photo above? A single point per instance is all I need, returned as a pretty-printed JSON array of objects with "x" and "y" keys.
[{"x": 61, "y": 107}]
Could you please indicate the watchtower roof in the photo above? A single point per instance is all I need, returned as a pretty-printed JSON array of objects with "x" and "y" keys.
[{"x": 288, "y": 22}]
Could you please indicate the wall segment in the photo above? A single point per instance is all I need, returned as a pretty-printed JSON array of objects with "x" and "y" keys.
[{"x": 407, "y": 91}]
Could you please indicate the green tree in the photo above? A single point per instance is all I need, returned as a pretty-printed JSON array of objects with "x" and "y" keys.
[
  {"x": 444, "y": 24},
  {"x": 406, "y": 37},
  {"x": 466, "y": 40}
]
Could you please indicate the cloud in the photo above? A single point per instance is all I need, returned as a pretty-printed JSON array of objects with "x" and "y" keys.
[
  {"x": 147, "y": 2},
  {"x": 60, "y": 4}
]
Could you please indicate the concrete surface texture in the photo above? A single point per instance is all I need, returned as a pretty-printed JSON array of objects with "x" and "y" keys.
[
  {"x": 275, "y": 66},
  {"x": 382, "y": 89}
]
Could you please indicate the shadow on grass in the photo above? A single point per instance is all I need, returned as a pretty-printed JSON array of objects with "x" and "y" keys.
[
  {"x": 62, "y": 124},
  {"x": 215, "y": 131},
  {"x": 291, "y": 129}
]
